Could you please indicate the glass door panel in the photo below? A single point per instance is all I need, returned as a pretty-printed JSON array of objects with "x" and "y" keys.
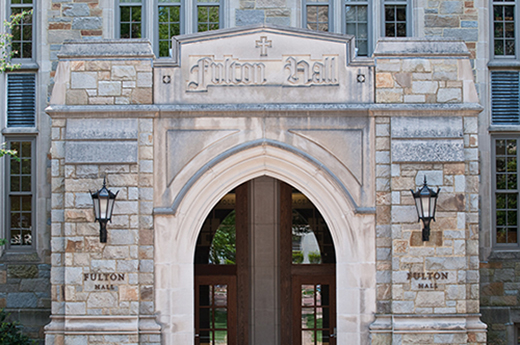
[
  {"x": 313, "y": 310},
  {"x": 215, "y": 317}
]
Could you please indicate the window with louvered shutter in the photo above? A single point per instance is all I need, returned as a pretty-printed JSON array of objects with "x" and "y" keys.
[
  {"x": 21, "y": 100},
  {"x": 505, "y": 104}
]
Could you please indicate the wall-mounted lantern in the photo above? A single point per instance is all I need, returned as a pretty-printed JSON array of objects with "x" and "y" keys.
[
  {"x": 426, "y": 201},
  {"x": 103, "y": 201}
]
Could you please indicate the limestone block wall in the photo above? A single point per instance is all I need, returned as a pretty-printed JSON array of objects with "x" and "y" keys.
[
  {"x": 102, "y": 292},
  {"x": 25, "y": 291},
  {"x": 249, "y": 12},
  {"x": 438, "y": 279},
  {"x": 499, "y": 297},
  {"x": 71, "y": 19},
  {"x": 411, "y": 78},
  {"x": 117, "y": 79},
  {"x": 90, "y": 278},
  {"x": 453, "y": 19}
]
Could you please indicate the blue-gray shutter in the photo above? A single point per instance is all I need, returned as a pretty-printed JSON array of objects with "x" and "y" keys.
[
  {"x": 21, "y": 99},
  {"x": 505, "y": 105}
]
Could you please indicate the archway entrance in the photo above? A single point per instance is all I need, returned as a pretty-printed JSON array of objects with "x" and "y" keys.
[{"x": 265, "y": 270}]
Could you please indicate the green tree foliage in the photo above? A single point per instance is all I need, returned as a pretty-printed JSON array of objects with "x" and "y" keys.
[
  {"x": 6, "y": 53},
  {"x": 10, "y": 333},
  {"x": 223, "y": 246},
  {"x": 4, "y": 151}
]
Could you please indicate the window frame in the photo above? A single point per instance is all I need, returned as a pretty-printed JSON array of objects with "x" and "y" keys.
[
  {"x": 144, "y": 21},
  {"x": 33, "y": 6},
  {"x": 376, "y": 17},
  {"x": 329, "y": 3},
  {"x": 221, "y": 12},
  {"x": 370, "y": 21},
  {"x": 150, "y": 19},
  {"x": 492, "y": 33},
  {"x": 182, "y": 25},
  {"x": 7, "y": 211},
  {"x": 409, "y": 20},
  {"x": 495, "y": 244}
]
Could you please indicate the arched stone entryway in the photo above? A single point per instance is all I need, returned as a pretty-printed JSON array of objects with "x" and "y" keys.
[{"x": 353, "y": 235}]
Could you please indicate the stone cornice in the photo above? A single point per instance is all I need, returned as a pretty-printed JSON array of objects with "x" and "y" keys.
[{"x": 262, "y": 110}]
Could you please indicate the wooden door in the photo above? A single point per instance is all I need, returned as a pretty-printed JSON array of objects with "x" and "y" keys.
[
  {"x": 314, "y": 310},
  {"x": 221, "y": 290},
  {"x": 215, "y": 312},
  {"x": 308, "y": 291}
]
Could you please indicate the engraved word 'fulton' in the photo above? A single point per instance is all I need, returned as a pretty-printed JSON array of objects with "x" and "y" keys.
[{"x": 291, "y": 71}]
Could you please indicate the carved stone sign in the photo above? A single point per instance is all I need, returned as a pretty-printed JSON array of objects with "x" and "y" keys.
[
  {"x": 430, "y": 279},
  {"x": 263, "y": 65},
  {"x": 103, "y": 281},
  {"x": 292, "y": 71}
]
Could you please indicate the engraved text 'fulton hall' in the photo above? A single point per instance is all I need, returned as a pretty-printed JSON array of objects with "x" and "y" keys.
[{"x": 291, "y": 71}]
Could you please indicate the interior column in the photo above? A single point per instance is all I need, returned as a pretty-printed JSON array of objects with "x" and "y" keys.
[{"x": 264, "y": 261}]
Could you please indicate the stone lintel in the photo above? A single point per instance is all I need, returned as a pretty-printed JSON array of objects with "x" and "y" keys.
[
  {"x": 405, "y": 47},
  {"x": 427, "y": 127},
  {"x": 107, "y": 49},
  {"x": 427, "y": 323},
  {"x": 102, "y": 324},
  {"x": 101, "y": 152},
  {"x": 92, "y": 129},
  {"x": 427, "y": 150}
]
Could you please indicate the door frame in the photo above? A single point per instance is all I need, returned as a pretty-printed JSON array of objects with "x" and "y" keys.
[
  {"x": 231, "y": 282},
  {"x": 291, "y": 275},
  {"x": 239, "y": 272},
  {"x": 312, "y": 279}
]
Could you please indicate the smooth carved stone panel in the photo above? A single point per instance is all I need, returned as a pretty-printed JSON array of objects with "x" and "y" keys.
[
  {"x": 345, "y": 145},
  {"x": 441, "y": 150},
  {"x": 184, "y": 145},
  {"x": 108, "y": 152},
  {"x": 89, "y": 129},
  {"x": 263, "y": 65},
  {"x": 427, "y": 127}
]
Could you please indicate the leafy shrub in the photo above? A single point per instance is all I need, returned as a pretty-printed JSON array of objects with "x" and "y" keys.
[
  {"x": 10, "y": 333},
  {"x": 297, "y": 257},
  {"x": 315, "y": 257}
]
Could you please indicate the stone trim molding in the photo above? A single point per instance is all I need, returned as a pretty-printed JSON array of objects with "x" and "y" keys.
[
  {"x": 266, "y": 28},
  {"x": 428, "y": 323},
  {"x": 430, "y": 47},
  {"x": 102, "y": 324},
  {"x": 114, "y": 48},
  {"x": 262, "y": 143},
  {"x": 176, "y": 236},
  {"x": 267, "y": 110}
]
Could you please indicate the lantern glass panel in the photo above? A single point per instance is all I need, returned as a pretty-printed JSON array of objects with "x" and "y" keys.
[
  {"x": 418, "y": 206},
  {"x": 103, "y": 204},
  {"x": 425, "y": 199},
  {"x": 433, "y": 202},
  {"x": 110, "y": 207},
  {"x": 95, "y": 201}
]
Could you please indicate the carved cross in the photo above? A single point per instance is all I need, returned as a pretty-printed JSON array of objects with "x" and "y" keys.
[{"x": 263, "y": 44}]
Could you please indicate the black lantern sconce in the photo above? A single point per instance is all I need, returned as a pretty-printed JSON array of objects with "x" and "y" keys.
[
  {"x": 426, "y": 202},
  {"x": 103, "y": 201}
]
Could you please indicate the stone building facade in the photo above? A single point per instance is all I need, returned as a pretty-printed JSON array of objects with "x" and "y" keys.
[{"x": 312, "y": 95}]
